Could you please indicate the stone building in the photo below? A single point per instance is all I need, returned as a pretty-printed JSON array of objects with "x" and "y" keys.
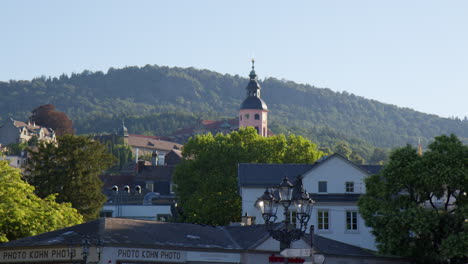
[{"x": 14, "y": 131}]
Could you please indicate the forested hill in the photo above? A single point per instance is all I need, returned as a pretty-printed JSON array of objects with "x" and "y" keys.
[{"x": 97, "y": 101}]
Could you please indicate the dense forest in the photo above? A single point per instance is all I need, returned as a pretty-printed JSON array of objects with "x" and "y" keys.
[{"x": 157, "y": 100}]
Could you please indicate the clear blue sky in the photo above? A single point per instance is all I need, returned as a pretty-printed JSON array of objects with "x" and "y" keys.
[{"x": 412, "y": 53}]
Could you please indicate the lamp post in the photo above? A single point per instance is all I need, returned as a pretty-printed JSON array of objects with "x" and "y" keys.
[
  {"x": 286, "y": 194},
  {"x": 85, "y": 245}
]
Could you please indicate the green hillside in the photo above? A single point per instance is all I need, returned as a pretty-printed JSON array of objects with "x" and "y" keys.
[{"x": 157, "y": 100}]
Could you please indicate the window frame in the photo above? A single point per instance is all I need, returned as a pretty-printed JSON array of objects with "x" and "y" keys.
[
  {"x": 349, "y": 187},
  {"x": 321, "y": 220},
  {"x": 350, "y": 224},
  {"x": 321, "y": 184}
]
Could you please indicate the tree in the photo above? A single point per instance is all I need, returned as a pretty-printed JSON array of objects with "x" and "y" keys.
[
  {"x": 23, "y": 213},
  {"x": 417, "y": 205},
  {"x": 47, "y": 116},
  {"x": 378, "y": 157},
  {"x": 71, "y": 168},
  {"x": 207, "y": 178},
  {"x": 15, "y": 148},
  {"x": 343, "y": 149}
]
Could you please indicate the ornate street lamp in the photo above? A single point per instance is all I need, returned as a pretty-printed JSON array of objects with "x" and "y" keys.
[
  {"x": 287, "y": 194},
  {"x": 85, "y": 245}
]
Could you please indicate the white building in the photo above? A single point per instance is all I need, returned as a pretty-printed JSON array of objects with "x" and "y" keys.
[{"x": 335, "y": 184}]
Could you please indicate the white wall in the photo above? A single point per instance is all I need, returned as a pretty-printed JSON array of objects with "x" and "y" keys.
[
  {"x": 336, "y": 172},
  {"x": 148, "y": 212}
]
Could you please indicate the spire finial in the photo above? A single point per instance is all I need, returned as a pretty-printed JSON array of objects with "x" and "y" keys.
[{"x": 252, "y": 74}]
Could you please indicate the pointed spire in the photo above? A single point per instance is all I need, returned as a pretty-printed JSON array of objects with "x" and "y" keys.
[
  {"x": 252, "y": 74},
  {"x": 420, "y": 150}
]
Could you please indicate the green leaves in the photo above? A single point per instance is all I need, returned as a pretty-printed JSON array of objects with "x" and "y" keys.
[
  {"x": 207, "y": 178},
  {"x": 416, "y": 205},
  {"x": 71, "y": 168},
  {"x": 22, "y": 213}
]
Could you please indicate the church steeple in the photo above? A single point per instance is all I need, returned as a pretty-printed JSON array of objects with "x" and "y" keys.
[
  {"x": 253, "y": 110},
  {"x": 253, "y": 88},
  {"x": 252, "y": 74}
]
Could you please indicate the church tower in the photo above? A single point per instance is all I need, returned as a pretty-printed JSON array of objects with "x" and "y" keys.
[{"x": 253, "y": 111}]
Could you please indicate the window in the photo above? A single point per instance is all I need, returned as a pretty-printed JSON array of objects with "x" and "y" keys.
[
  {"x": 258, "y": 131},
  {"x": 246, "y": 116},
  {"x": 172, "y": 188},
  {"x": 322, "y": 219},
  {"x": 257, "y": 117},
  {"x": 349, "y": 186},
  {"x": 264, "y": 132},
  {"x": 293, "y": 218},
  {"x": 322, "y": 186},
  {"x": 240, "y": 117},
  {"x": 351, "y": 220}
]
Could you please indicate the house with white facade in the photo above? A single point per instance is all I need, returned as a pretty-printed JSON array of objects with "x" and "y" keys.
[
  {"x": 334, "y": 183},
  {"x": 14, "y": 131}
]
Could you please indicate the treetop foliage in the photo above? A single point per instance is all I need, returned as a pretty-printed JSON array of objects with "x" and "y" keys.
[
  {"x": 47, "y": 116},
  {"x": 23, "y": 213},
  {"x": 418, "y": 205},
  {"x": 71, "y": 168},
  {"x": 93, "y": 98},
  {"x": 207, "y": 178}
]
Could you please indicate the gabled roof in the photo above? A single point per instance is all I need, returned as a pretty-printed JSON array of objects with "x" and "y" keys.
[
  {"x": 329, "y": 246},
  {"x": 143, "y": 233},
  {"x": 267, "y": 175},
  {"x": 372, "y": 169},
  {"x": 32, "y": 128},
  {"x": 118, "y": 231},
  {"x": 140, "y": 141}
]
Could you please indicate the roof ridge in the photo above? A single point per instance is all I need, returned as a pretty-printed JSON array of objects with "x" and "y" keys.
[{"x": 230, "y": 237}]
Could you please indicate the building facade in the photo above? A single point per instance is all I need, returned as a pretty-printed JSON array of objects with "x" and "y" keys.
[
  {"x": 119, "y": 241},
  {"x": 14, "y": 131},
  {"x": 335, "y": 185},
  {"x": 253, "y": 110}
]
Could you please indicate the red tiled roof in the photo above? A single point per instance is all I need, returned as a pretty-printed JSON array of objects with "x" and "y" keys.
[
  {"x": 150, "y": 137},
  {"x": 139, "y": 141}
]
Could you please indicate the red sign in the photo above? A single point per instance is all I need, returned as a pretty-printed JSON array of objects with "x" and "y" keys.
[{"x": 274, "y": 259}]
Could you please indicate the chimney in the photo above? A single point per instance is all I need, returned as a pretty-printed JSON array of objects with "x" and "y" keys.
[
  {"x": 248, "y": 220},
  {"x": 161, "y": 159},
  {"x": 141, "y": 165},
  {"x": 154, "y": 158}
]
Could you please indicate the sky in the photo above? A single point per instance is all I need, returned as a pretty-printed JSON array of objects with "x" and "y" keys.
[{"x": 408, "y": 53}]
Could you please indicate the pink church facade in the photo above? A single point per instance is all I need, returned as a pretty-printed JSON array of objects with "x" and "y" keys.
[
  {"x": 253, "y": 110},
  {"x": 254, "y": 118}
]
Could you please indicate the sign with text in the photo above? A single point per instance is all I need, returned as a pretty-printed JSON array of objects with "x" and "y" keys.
[
  {"x": 214, "y": 257},
  {"x": 296, "y": 252},
  {"x": 40, "y": 254},
  {"x": 148, "y": 254}
]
